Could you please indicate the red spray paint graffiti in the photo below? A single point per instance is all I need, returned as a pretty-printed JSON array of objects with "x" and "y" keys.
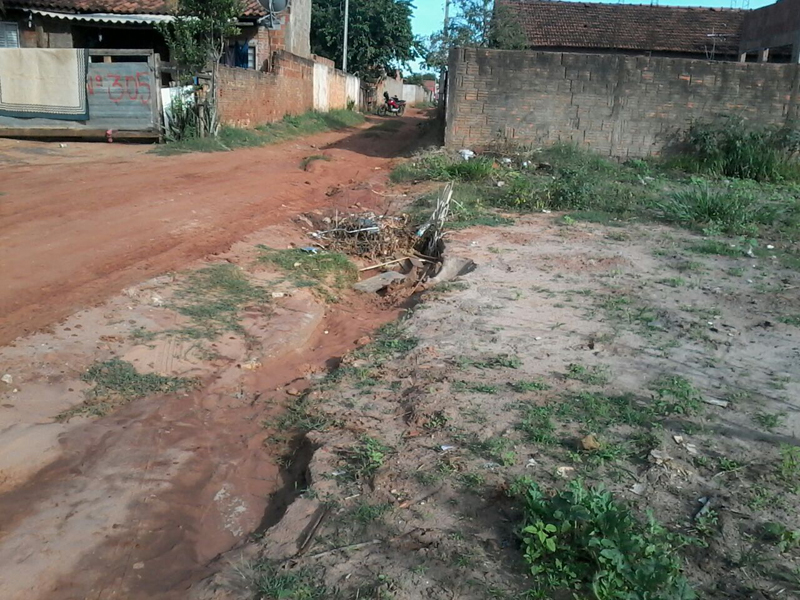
[{"x": 122, "y": 87}]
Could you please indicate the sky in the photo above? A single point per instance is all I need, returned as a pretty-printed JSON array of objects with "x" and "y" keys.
[{"x": 429, "y": 14}]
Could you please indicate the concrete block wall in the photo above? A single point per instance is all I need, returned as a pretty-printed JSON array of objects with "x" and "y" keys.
[
  {"x": 622, "y": 106},
  {"x": 248, "y": 98}
]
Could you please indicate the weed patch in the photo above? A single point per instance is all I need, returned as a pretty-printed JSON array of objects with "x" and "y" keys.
[
  {"x": 213, "y": 298},
  {"x": 364, "y": 460},
  {"x": 582, "y": 541},
  {"x": 309, "y": 160},
  {"x": 231, "y": 138},
  {"x": 599, "y": 375},
  {"x": 323, "y": 271},
  {"x": 116, "y": 382},
  {"x": 675, "y": 396},
  {"x": 270, "y": 582}
]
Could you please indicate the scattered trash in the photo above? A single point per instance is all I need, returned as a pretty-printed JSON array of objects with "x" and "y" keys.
[
  {"x": 62, "y": 145},
  {"x": 506, "y": 161},
  {"x": 690, "y": 448},
  {"x": 531, "y": 463},
  {"x": 379, "y": 282},
  {"x": 660, "y": 458},
  {"x": 770, "y": 247},
  {"x": 466, "y": 154},
  {"x": 8, "y": 379},
  {"x": 279, "y": 294},
  {"x": 310, "y": 250},
  {"x": 445, "y": 448},
  {"x": 368, "y": 235},
  {"x": 715, "y": 402},
  {"x": 663, "y": 459},
  {"x": 501, "y": 184},
  {"x": 252, "y": 365},
  {"x": 639, "y": 489},
  {"x": 565, "y": 472},
  {"x": 492, "y": 466},
  {"x": 705, "y": 501},
  {"x": 590, "y": 443}
]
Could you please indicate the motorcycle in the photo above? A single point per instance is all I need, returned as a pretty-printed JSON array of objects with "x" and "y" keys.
[{"x": 392, "y": 106}]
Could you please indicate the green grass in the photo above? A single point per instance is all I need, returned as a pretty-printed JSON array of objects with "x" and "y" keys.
[
  {"x": 790, "y": 320},
  {"x": 325, "y": 271},
  {"x": 308, "y": 160},
  {"x": 675, "y": 395},
  {"x": 732, "y": 147},
  {"x": 533, "y": 385},
  {"x": 364, "y": 459},
  {"x": 213, "y": 298},
  {"x": 581, "y": 542},
  {"x": 537, "y": 425},
  {"x": 232, "y": 138},
  {"x": 770, "y": 421},
  {"x": 717, "y": 247},
  {"x": 366, "y": 513},
  {"x": 270, "y": 582},
  {"x": 116, "y": 382},
  {"x": 499, "y": 361},
  {"x": 727, "y": 210},
  {"x": 598, "y": 375},
  {"x": 595, "y": 189}
]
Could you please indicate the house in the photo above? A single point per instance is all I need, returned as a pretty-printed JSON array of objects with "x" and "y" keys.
[
  {"x": 132, "y": 24},
  {"x": 772, "y": 32},
  {"x": 706, "y": 33}
]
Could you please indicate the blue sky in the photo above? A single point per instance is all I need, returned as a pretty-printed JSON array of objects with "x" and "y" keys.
[{"x": 429, "y": 14}]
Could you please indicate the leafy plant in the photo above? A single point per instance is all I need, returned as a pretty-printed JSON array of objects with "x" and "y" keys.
[
  {"x": 676, "y": 395},
  {"x": 366, "y": 458},
  {"x": 581, "y": 540},
  {"x": 534, "y": 385}
]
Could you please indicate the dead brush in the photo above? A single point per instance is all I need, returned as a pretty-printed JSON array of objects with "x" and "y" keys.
[{"x": 369, "y": 235}]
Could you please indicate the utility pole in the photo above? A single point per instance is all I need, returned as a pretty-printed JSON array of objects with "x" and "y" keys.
[
  {"x": 346, "y": 28},
  {"x": 442, "y": 76}
]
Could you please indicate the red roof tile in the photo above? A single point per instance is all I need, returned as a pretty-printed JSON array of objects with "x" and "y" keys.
[
  {"x": 554, "y": 24},
  {"x": 158, "y": 7}
]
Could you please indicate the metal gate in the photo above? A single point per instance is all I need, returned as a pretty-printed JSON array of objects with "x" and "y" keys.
[{"x": 123, "y": 90}]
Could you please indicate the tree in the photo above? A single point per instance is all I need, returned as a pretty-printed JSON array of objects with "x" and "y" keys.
[
  {"x": 380, "y": 37},
  {"x": 418, "y": 78},
  {"x": 197, "y": 39},
  {"x": 477, "y": 23}
]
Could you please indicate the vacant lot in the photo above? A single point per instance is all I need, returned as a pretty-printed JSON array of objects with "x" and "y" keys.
[{"x": 606, "y": 405}]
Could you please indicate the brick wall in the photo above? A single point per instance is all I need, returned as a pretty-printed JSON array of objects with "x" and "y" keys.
[
  {"x": 616, "y": 105},
  {"x": 248, "y": 98}
]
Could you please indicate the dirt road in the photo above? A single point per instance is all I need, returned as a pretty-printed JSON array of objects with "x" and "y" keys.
[
  {"x": 77, "y": 224},
  {"x": 137, "y": 504}
]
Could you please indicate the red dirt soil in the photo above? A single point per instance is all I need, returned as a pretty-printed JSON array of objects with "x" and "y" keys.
[{"x": 78, "y": 224}]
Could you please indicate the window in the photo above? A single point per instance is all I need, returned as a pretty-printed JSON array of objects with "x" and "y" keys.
[
  {"x": 9, "y": 34},
  {"x": 251, "y": 57}
]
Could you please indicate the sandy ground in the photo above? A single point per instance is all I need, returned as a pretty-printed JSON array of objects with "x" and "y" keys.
[
  {"x": 78, "y": 224},
  {"x": 435, "y": 521},
  {"x": 137, "y": 504}
]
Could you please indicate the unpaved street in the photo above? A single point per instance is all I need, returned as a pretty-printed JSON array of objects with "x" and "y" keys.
[
  {"x": 79, "y": 223},
  {"x": 137, "y": 504}
]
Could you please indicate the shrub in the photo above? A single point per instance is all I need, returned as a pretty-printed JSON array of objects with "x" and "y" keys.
[
  {"x": 726, "y": 210},
  {"x": 581, "y": 540},
  {"x": 731, "y": 147}
]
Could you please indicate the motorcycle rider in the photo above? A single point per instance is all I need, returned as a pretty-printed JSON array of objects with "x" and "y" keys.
[{"x": 390, "y": 102}]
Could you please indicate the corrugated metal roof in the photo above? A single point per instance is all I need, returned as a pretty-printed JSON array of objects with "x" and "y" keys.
[
  {"x": 251, "y": 8},
  {"x": 115, "y": 19}
]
